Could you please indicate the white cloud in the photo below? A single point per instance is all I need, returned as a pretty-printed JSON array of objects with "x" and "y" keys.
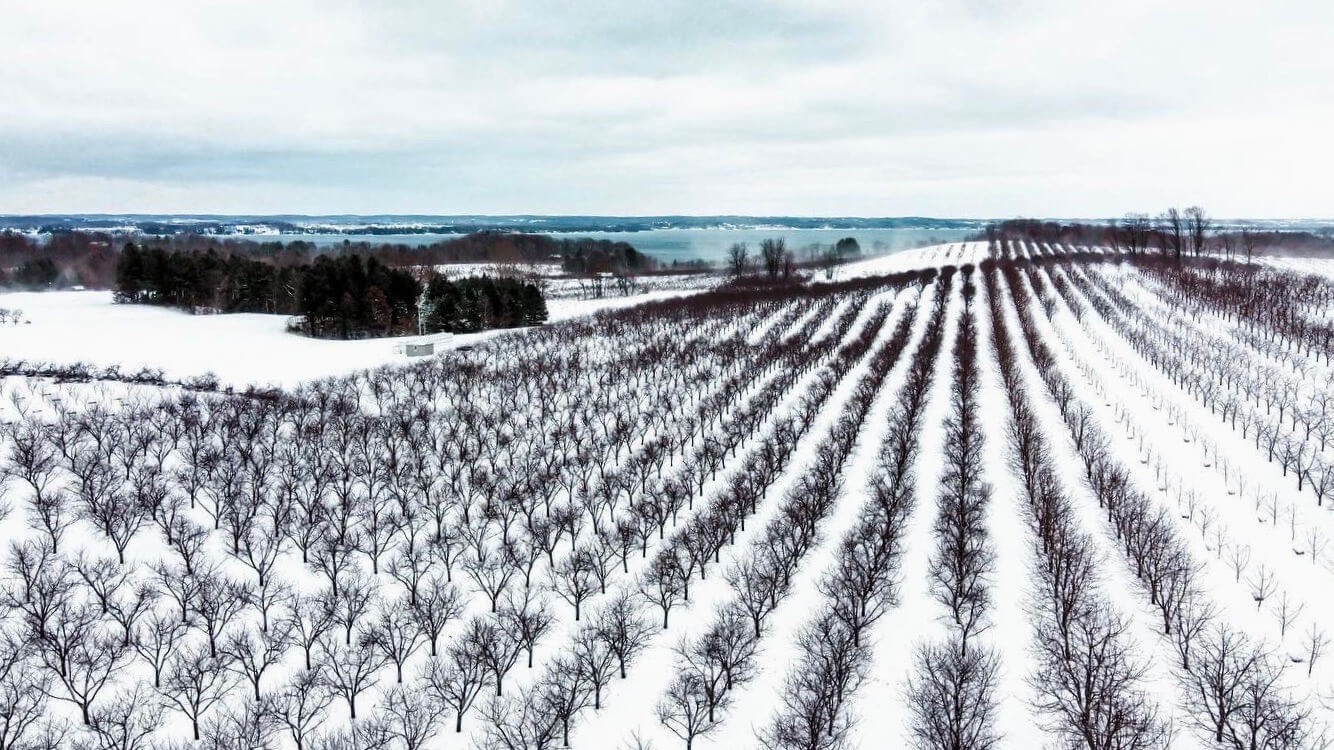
[{"x": 944, "y": 107}]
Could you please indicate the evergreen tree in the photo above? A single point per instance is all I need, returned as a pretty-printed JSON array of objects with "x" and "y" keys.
[{"x": 130, "y": 273}]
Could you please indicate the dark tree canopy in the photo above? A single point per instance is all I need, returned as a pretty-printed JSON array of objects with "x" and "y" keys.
[
  {"x": 479, "y": 303},
  {"x": 846, "y": 247},
  {"x": 344, "y": 296},
  {"x": 90, "y": 258}
]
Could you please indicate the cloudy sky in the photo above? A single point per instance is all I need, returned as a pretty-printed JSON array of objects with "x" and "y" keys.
[{"x": 828, "y": 107}]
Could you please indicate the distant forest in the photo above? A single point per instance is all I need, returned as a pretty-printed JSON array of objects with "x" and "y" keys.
[
  {"x": 161, "y": 224},
  {"x": 1174, "y": 232},
  {"x": 64, "y": 260},
  {"x": 90, "y": 259},
  {"x": 343, "y": 296}
]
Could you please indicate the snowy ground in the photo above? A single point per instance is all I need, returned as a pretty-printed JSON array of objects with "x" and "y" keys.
[
  {"x": 1210, "y": 485},
  {"x": 241, "y": 349},
  {"x": 255, "y": 349}
]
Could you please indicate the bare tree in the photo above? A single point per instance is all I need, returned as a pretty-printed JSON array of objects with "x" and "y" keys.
[
  {"x": 1136, "y": 229},
  {"x": 458, "y": 679},
  {"x": 1316, "y": 642},
  {"x": 1237, "y": 695},
  {"x": 194, "y": 682},
  {"x": 738, "y": 259},
  {"x": 596, "y": 661},
  {"x": 772, "y": 252},
  {"x": 23, "y": 695},
  {"x": 1287, "y": 611},
  {"x": 216, "y": 606},
  {"x": 495, "y": 647},
  {"x": 308, "y": 619},
  {"x": 1198, "y": 227},
  {"x": 395, "y": 634},
  {"x": 1248, "y": 241},
  {"x": 813, "y": 713},
  {"x": 33, "y": 458},
  {"x": 1172, "y": 229},
  {"x": 1263, "y": 584},
  {"x": 686, "y": 708},
  {"x": 249, "y": 724},
  {"x": 564, "y": 693},
  {"x": 352, "y": 600},
  {"x": 624, "y": 628},
  {"x": 952, "y": 696},
  {"x": 789, "y": 265},
  {"x": 123, "y": 596},
  {"x": 351, "y": 670},
  {"x": 73, "y": 644},
  {"x": 664, "y": 586},
  {"x": 251, "y": 653},
  {"x": 437, "y": 604},
  {"x": 491, "y": 574},
  {"x": 1239, "y": 556},
  {"x": 573, "y": 580},
  {"x": 126, "y": 722},
  {"x": 413, "y": 716},
  {"x": 301, "y": 704},
  {"x": 526, "y": 619}
]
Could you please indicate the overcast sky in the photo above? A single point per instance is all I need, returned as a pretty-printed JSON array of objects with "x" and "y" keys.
[{"x": 912, "y": 107}]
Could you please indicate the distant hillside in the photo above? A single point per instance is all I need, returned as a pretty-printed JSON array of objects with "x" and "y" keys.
[{"x": 162, "y": 224}]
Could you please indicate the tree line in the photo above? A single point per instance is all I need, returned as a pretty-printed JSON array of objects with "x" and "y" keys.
[
  {"x": 1173, "y": 233},
  {"x": 777, "y": 262},
  {"x": 83, "y": 258},
  {"x": 335, "y": 297},
  {"x": 488, "y": 246},
  {"x": 64, "y": 259}
]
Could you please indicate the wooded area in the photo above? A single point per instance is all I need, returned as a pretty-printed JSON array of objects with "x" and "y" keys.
[
  {"x": 336, "y": 297},
  {"x": 89, "y": 259},
  {"x": 1173, "y": 232}
]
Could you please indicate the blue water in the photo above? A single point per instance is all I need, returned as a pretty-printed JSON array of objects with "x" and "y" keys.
[{"x": 681, "y": 245}]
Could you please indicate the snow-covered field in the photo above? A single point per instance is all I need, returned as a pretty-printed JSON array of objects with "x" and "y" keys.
[
  {"x": 254, "y": 349},
  {"x": 1036, "y": 498},
  {"x": 240, "y": 349}
]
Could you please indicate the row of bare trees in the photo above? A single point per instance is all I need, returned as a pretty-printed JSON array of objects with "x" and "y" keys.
[
  {"x": 1279, "y": 399},
  {"x": 861, "y": 587},
  {"x": 775, "y": 259},
  {"x": 1091, "y": 683},
  {"x": 1238, "y": 696},
  {"x": 952, "y": 691},
  {"x": 1275, "y": 304},
  {"x": 273, "y": 558},
  {"x": 1176, "y": 234},
  {"x": 574, "y": 680},
  {"x": 710, "y": 667},
  {"x": 665, "y": 582},
  {"x": 1286, "y": 416}
]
